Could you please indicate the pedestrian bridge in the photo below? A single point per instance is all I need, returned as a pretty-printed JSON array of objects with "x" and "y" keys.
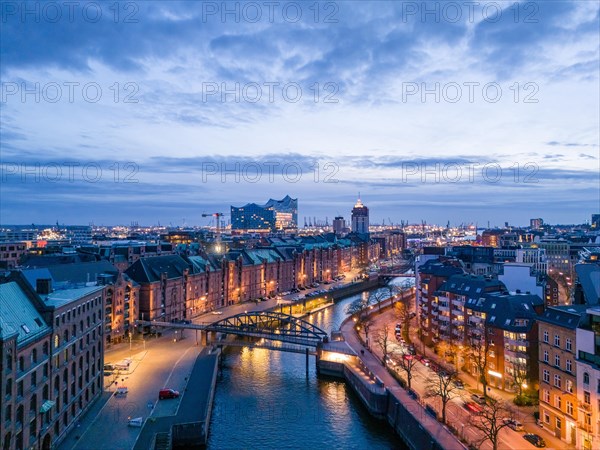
[
  {"x": 267, "y": 325},
  {"x": 273, "y": 326}
]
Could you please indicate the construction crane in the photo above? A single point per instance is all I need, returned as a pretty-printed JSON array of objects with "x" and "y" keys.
[{"x": 217, "y": 217}]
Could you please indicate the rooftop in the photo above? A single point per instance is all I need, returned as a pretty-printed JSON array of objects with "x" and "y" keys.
[{"x": 19, "y": 316}]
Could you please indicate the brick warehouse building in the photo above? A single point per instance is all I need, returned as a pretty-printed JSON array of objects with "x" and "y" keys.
[{"x": 52, "y": 359}]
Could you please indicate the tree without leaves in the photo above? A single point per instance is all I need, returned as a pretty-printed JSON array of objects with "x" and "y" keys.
[
  {"x": 359, "y": 309},
  {"x": 490, "y": 421},
  {"x": 407, "y": 364},
  {"x": 382, "y": 339},
  {"x": 441, "y": 385},
  {"x": 519, "y": 372},
  {"x": 478, "y": 354}
]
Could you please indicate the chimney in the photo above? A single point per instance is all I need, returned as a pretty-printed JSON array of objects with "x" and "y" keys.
[{"x": 43, "y": 286}]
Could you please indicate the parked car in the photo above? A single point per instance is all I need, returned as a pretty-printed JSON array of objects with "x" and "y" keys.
[
  {"x": 478, "y": 398},
  {"x": 217, "y": 313},
  {"x": 167, "y": 393},
  {"x": 512, "y": 423},
  {"x": 459, "y": 384},
  {"x": 425, "y": 362},
  {"x": 535, "y": 439}
]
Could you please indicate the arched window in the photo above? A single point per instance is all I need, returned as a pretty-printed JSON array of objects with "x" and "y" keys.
[{"x": 56, "y": 341}]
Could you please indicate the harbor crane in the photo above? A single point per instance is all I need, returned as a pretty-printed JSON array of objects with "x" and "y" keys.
[{"x": 217, "y": 216}]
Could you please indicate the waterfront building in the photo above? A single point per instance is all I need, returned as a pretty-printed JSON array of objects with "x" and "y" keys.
[
  {"x": 52, "y": 359},
  {"x": 273, "y": 215}
]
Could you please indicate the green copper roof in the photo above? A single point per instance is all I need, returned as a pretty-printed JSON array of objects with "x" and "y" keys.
[{"x": 19, "y": 316}]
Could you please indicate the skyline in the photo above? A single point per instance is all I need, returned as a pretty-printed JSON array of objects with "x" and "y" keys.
[{"x": 141, "y": 115}]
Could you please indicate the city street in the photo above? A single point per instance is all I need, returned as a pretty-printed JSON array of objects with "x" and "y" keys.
[
  {"x": 155, "y": 363},
  {"x": 456, "y": 414}
]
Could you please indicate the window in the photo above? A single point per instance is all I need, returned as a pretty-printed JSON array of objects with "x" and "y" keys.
[
  {"x": 586, "y": 397},
  {"x": 586, "y": 378},
  {"x": 557, "y": 401},
  {"x": 21, "y": 364},
  {"x": 556, "y": 340},
  {"x": 558, "y": 423},
  {"x": 546, "y": 417},
  {"x": 546, "y": 356},
  {"x": 546, "y": 395},
  {"x": 569, "y": 386},
  {"x": 34, "y": 356},
  {"x": 557, "y": 360},
  {"x": 568, "y": 366},
  {"x": 557, "y": 381},
  {"x": 546, "y": 337},
  {"x": 8, "y": 390},
  {"x": 568, "y": 344},
  {"x": 569, "y": 408}
]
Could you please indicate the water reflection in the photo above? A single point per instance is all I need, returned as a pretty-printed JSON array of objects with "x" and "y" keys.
[{"x": 265, "y": 400}]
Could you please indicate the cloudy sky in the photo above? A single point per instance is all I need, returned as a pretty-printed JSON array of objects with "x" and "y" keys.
[{"x": 159, "y": 111}]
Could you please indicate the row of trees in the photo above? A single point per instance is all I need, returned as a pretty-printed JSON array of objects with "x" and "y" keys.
[{"x": 442, "y": 386}]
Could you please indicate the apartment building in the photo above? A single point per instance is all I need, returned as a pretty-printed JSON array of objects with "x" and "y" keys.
[
  {"x": 588, "y": 381},
  {"x": 558, "y": 369}
]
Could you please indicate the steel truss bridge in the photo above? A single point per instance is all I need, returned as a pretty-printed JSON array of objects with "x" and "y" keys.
[{"x": 282, "y": 332}]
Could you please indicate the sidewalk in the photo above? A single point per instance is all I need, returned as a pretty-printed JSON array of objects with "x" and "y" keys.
[
  {"x": 373, "y": 363},
  {"x": 525, "y": 413}
]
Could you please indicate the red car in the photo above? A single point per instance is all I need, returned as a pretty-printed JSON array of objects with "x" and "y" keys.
[
  {"x": 473, "y": 407},
  {"x": 167, "y": 393}
]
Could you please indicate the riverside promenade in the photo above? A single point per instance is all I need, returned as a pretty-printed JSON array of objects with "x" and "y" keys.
[{"x": 407, "y": 416}]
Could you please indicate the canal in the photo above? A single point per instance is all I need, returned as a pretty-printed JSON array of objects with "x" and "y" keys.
[{"x": 265, "y": 400}]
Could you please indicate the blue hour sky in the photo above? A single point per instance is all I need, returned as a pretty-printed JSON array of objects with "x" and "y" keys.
[{"x": 159, "y": 111}]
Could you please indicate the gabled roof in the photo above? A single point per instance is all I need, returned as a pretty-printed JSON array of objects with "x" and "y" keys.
[
  {"x": 471, "y": 286},
  {"x": 149, "y": 270},
  {"x": 19, "y": 316},
  {"x": 567, "y": 316},
  {"x": 440, "y": 268},
  {"x": 503, "y": 310}
]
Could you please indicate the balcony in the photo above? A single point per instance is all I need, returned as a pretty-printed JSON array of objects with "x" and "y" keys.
[
  {"x": 458, "y": 322},
  {"x": 515, "y": 343},
  {"x": 444, "y": 308},
  {"x": 456, "y": 312},
  {"x": 585, "y": 407},
  {"x": 457, "y": 303}
]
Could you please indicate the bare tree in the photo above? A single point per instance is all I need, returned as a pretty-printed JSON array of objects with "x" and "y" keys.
[
  {"x": 407, "y": 363},
  {"x": 382, "y": 339},
  {"x": 478, "y": 355},
  {"x": 495, "y": 415},
  {"x": 360, "y": 310},
  {"x": 442, "y": 385},
  {"x": 519, "y": 372}
]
